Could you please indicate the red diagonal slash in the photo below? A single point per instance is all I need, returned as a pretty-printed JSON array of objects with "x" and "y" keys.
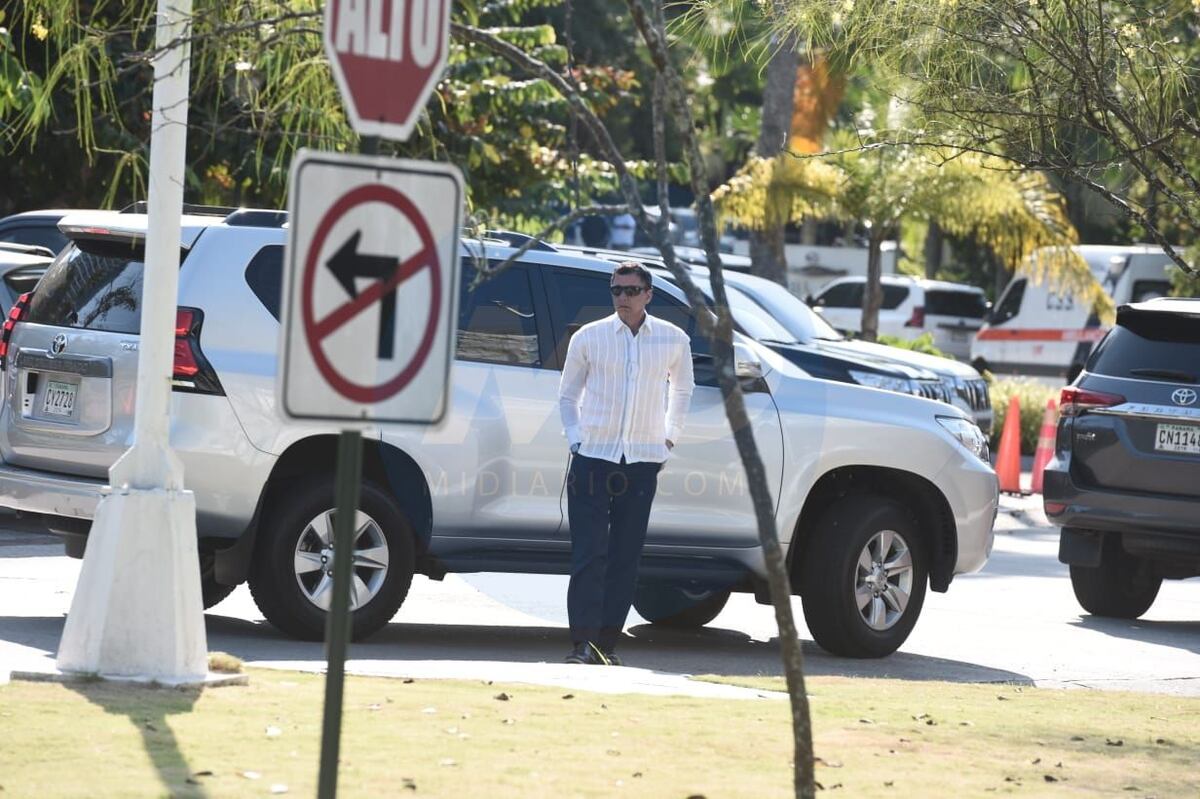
[{"x": 331, "y": 323}]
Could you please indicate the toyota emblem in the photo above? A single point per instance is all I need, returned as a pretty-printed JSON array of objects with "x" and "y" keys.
[
  {"x": 60, "y": 343},
  {"x": 1184, "y": 396}
]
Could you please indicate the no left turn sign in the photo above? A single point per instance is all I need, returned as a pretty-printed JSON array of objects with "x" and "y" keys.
[{"x": 370, "y": 288}]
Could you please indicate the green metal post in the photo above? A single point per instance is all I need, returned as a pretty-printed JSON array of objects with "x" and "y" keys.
[{"x": 337, "y": 626}]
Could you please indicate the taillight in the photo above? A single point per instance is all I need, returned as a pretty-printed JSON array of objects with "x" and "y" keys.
[
  {"x": 192, "y": 371},
  {"x": 1075, "y": 400},
  {"x": 918, "y": 317},
  {"x": 16, "y": 314}
]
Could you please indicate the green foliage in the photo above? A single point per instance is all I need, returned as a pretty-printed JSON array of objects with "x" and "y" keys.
[
  {"x": 75, "y": 89},
  {"x": 1183, "y": 284},
  {"x": 1100, "y": 95},
  {"x": 922, "y": 343},
  {"x": 1032, "y": 397}
]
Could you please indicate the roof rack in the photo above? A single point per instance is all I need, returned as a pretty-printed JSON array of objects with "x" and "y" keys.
[
  {"x": 248, "y": 217},
  {"x": 515, "y": 239},
  {"x": 142, "y": 207},
  {"x": 26, "y": 249}
]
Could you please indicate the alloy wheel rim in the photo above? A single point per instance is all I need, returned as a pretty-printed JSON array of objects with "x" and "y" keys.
[
  {"x": 883, "y": 580},
  {"x": 314, "y": 558}
]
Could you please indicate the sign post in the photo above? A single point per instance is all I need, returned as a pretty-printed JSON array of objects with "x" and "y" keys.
[
  {"x": 366, "y": 236},
  {"x": 386, "y": 56}
]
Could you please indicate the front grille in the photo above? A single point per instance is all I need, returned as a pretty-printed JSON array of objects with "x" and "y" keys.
[
  {"x": 934, "y": 390},
  {"x": 975, "y": 393}
]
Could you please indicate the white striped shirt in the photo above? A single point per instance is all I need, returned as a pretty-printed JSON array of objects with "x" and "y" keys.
[{"x": 614, "y": 397}]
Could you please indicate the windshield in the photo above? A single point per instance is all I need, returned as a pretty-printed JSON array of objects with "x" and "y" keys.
[
  {"x": 789, "y": 311},
  {"x": 750, "y": 316}
]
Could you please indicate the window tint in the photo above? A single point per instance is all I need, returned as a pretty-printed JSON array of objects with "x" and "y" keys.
[
  {"x": 95, "y": 285},
  {"x": 955, "y": 303},
  {"x": 1145, "y": 343},
  {"x": 1010, "y": 304},
  {"x": 496, "y": 320},
  {"x": 581, "y": 297},
  {"x": 844, "y": 295},
  {"x": 680, "y": 315},
  {"x": 893, "y": 296},
  {"x": 47, "y": 236},
  {"x": 1149, "y": 289},
  {"x": 577, "y": 298},
  {"x": 264, "y": 275}
]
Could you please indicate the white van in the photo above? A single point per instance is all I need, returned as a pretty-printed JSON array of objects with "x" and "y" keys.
[
  {"x": 1034, "y": 331},
  {"x": 951, "y": 312}
]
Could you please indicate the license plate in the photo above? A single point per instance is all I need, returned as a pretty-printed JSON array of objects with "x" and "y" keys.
[
  {"x": 958, "y": 335},
  {"x": 1183, "y": 438},
  {"x": 60, "y": 398}
]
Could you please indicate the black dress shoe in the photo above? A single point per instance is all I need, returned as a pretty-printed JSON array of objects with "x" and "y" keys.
[{"x": 589, "y": 654}]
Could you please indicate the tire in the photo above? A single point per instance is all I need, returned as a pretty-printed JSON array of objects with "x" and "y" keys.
[
  {"x": 679, "y": 606},
  {"x": 854, "y": 528},
  {"x": 211, "y": 592},
  {"x": 295, "y": 600},
  {"x": 1121, "y": 587}
]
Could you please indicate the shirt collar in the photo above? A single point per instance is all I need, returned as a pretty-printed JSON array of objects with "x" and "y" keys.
[{"x": 617, "y": 324}]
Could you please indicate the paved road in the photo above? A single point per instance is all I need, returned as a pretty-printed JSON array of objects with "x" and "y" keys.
[{"x": 1017, "y": 621}]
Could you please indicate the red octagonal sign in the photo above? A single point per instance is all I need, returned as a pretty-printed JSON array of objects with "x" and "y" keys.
[{"x": 386, "y": 55}]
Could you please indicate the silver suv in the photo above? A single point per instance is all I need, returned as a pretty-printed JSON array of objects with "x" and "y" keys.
[{"x": 878, "y": 494}]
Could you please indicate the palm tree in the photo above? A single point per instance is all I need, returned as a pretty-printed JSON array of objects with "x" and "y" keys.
[{"x": 865, "y": 179}]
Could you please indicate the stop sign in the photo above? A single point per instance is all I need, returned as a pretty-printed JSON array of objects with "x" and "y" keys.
[{"x": 387, "y": 55}]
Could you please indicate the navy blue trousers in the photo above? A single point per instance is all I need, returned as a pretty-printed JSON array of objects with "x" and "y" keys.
[{"x": 608, "y": 508}]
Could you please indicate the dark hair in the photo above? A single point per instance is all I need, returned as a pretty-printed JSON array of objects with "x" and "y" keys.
[{"x": 634, "y": 268}]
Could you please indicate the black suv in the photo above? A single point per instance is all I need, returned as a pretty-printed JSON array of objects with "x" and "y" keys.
[{"x": 1125, "y": 480}]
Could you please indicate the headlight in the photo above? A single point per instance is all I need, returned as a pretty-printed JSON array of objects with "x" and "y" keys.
[
  {"x": 968, "y": 434},
  {"x": 901, "y": 384}
]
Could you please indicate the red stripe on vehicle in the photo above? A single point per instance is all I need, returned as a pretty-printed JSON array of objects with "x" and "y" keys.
[{"x": 1041, "y": 334}]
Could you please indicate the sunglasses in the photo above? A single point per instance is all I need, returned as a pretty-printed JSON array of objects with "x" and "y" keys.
[{"x": 629, "y": 291}]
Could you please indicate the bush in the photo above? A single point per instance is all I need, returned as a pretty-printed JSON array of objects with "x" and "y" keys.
[
  {"x": 1032, "y": 396},
  {"x": 922, "y": 343}
]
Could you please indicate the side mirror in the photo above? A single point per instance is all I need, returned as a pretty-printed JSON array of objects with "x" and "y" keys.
[{"x": 746, "y": 364}]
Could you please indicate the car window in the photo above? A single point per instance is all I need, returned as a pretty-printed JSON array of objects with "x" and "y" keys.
[
  {"x": 96, "y": 285},
  {"x": 1010, "y": 303},
  {"x": 497, "y": 320},
  {"x": 680, "y": 315},
  {"x": 843, "y": 295},
  {"x": 967, "y": 304},
  {"x": 264, "y": 275},
  {"x": 893, "y": 297},
  {"x": 1148, "y": 343},
  {"x": 47, "y": 236},
  {"x": 577, "y": 298},
  {"x": 1149, "y": 289}
]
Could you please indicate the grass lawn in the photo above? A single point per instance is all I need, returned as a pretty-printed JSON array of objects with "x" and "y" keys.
[{"x": 465, "y": 739}]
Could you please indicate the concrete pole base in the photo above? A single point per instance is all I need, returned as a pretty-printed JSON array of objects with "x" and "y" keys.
[{"x": 137, "y": 612}]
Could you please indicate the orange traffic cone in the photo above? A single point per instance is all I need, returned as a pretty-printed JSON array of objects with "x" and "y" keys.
[
  {"x": 1045, "y": 447},
  {"x": 1008, "y": 459}
]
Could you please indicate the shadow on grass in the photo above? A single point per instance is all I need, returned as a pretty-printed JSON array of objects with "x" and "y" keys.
[{"x": 149, "y": 709}]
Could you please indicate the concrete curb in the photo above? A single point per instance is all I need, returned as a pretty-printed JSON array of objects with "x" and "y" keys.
[
  {"x": 594, "y": 679},
  {"x": 211, "y": 680}
]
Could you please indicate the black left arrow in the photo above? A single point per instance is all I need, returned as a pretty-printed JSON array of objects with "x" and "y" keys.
[{"x": 348, "y": 264}]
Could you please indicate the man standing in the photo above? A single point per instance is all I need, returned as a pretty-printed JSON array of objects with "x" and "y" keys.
[{"x": 625, "y": 391}]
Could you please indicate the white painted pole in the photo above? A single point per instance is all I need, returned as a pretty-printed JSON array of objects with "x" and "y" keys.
[{"x": 137, "y": 610}]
